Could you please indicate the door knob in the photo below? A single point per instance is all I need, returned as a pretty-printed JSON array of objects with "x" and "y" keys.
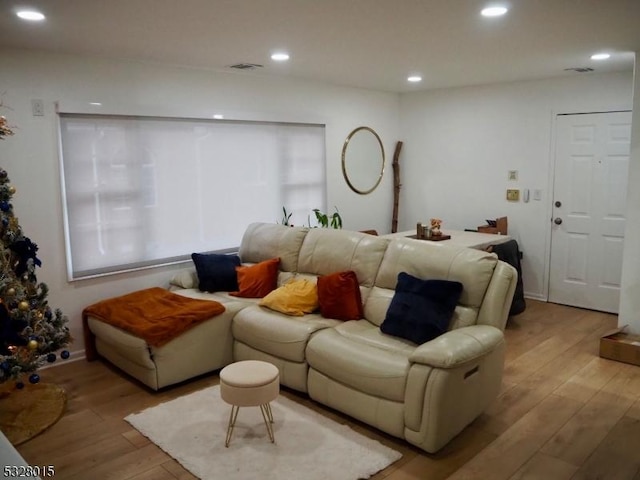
[
  {"x": 558, "y": 204},
  {"x": 557, "y": 221}
]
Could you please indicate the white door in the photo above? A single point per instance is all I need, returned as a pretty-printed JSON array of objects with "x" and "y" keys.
[{"x": 589, "y": 204}]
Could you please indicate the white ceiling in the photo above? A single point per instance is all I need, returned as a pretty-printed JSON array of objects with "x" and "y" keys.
[{"x": 372, "y": 44}]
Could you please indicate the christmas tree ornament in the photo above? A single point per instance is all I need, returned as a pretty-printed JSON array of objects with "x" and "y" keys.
[
  {"x": 12, "y": 189},
  {"x": 11, "y": 291},
  {"x": 51, "y": 357},
  {"x": 33, "y": 344},
  {"x": 34, "y": 378},
  {"x": 19, "y": 385},
  {"x": 64, "y": 354},
  {"x": 23, "y": 305}
]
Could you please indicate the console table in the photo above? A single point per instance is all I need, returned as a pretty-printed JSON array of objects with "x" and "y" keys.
[{"x": 460, "y": 238}]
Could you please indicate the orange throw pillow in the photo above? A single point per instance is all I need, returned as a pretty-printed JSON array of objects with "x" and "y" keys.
[
  {"x": 339, "y": 296},
  {"x": 256, "y": 281}
]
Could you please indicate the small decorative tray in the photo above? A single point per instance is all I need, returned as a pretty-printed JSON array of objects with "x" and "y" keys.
[{"x": 434, "y": 238}]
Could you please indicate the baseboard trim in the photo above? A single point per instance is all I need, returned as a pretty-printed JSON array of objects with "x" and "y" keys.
[
  {"x": 535, "y": 296},
  {"x": 75, "y": 356}
]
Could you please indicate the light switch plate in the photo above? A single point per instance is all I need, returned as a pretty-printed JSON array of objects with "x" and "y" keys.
[
  {"x": 513, "y": 195},
  {"x": 37, "y": 107},
  {"x": 512, "y": 175}
]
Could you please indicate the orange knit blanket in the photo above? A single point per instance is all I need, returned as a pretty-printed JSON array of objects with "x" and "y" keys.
[{"x": 155, "y": 315}]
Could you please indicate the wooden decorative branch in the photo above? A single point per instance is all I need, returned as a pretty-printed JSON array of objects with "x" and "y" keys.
[{"x": 396, "y": 186}]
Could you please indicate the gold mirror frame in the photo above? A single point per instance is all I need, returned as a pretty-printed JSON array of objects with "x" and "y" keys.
[{"x": 344, "y": 161}]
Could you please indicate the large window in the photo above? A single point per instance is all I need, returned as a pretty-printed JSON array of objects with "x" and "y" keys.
[{"x": 143, "y": 191}]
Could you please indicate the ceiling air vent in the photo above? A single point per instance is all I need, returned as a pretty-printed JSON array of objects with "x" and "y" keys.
[
  {"x": 246, "y": 66},
  {"x": 579, "y": 69}
]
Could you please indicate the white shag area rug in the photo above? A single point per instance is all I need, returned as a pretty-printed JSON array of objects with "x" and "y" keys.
[{"x": 192, "y": 429}]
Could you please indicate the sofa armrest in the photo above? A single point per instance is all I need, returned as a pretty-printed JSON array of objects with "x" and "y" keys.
[{"x": 458, "y": 346}]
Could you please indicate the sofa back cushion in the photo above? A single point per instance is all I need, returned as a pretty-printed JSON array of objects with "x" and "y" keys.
[
  {"x": 326, "y": 251},
  {"x": 430, "y": 260},
  {"x": 263, "y": 241}
]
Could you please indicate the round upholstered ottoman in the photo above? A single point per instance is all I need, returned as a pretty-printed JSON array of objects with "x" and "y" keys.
[{"x": 249, "y": 383}]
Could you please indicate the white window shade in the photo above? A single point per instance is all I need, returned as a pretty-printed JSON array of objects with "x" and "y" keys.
[{"x": 144, "y": 191}]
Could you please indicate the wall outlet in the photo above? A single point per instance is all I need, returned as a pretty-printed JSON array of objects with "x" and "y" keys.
[
  {"x": 37, "y": 107},
  {"x": 537, "y": 194},
  {"x": 513, "y": 195}
]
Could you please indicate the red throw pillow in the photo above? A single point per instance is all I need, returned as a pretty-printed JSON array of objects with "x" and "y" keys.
[
  {"x": 257, "y": 281},
  {"x": 339, "y": 296}
]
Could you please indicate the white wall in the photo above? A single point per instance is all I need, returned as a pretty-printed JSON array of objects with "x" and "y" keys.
[
  {"x": 31, "y": 156},
  {"x": 459, "y": 145},
  {"x": 630, "y": 294}
]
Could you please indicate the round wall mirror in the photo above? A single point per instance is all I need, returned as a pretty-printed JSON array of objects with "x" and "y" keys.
[{"x": 363, "y": 160}]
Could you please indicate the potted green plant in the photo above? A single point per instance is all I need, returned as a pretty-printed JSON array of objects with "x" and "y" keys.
[
  {"x": 286, "y": 217},
  {"x": 323, "y": 219},
  {"x": 326, "y": 221}
]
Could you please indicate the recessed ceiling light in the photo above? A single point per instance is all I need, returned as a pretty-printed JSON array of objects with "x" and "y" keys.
[
  {"x": 414, "y": 78},
  {"x": 95, "y": 104},
  {"x": 218, "y": 116},
  {"x": 494, "y": 11},
  {"x": 280, "y": 57},
  {"x": 600, "y": 56},
  {"x": 32, "y": 15}
]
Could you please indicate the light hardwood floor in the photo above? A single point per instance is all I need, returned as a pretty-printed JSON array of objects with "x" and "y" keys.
[{"x": 563, "y": 413}]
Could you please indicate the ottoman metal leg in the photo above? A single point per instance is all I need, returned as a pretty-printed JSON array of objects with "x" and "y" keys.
[
  {"x": 268, "y": 420},
  {"x": 232, "y": 422},
  {"x": 267, "y": 416},
  {"x": 269, "y": 412}
]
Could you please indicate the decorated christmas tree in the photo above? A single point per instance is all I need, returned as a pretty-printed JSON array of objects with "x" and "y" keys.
[{"x": 31, "y": 332}]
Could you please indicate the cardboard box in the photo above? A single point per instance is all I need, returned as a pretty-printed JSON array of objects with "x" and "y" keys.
[{"x": 621, "y": 346}]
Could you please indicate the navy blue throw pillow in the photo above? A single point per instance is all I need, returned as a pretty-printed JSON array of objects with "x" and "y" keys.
[
  {"x": 216, "y": 272},
  {"x": 421, "y": 309}
]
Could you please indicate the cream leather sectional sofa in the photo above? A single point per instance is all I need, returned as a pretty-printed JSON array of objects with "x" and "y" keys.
[{"x": 425, "y": 394}]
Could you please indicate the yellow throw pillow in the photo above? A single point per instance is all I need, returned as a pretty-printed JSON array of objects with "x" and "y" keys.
[{"x": 296, "y": 297}]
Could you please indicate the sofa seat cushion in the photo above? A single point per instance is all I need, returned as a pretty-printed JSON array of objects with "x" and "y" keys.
[
  {"x": 358, "y": 354},
  {"x": 222, "y": 297},
  {"x": 277, "y": 334}
]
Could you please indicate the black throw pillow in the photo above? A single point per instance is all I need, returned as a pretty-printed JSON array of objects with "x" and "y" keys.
[
  {"x": 216, "y": 272},
  {"x": 421, "y": 310}
]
